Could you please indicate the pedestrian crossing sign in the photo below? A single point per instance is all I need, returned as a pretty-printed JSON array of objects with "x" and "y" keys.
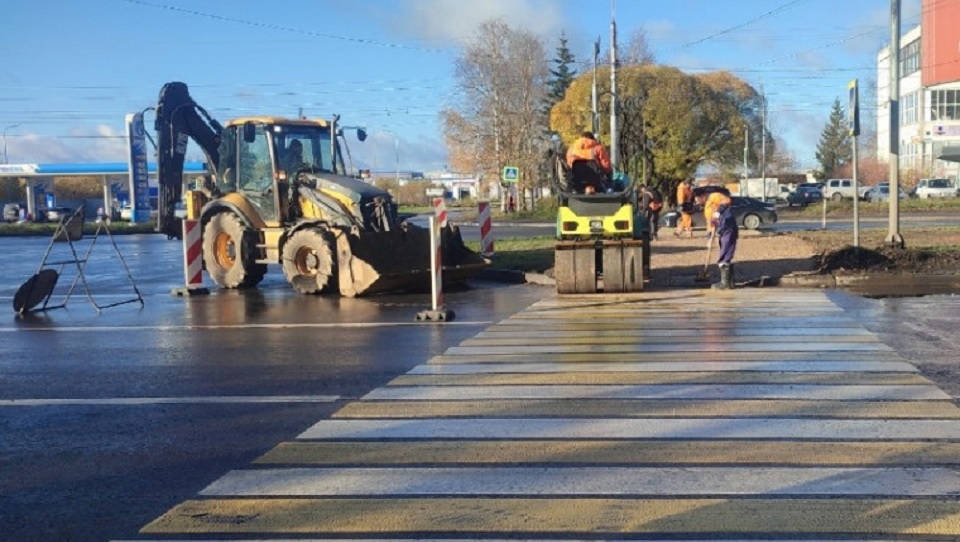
[{"x": 511, "y": 174}]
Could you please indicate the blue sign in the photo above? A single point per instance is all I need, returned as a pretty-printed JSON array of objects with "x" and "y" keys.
[
  {"x": 511, "y": 174},
  {"x": 139, "y": 184}
]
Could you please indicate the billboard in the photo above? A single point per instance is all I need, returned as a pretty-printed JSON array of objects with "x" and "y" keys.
[
  {"x": 940, "y": 42},
  {"x": 139, "y": 185}
]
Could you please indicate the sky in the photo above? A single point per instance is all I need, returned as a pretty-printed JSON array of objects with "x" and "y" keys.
[{"x": 70, "y": 71}]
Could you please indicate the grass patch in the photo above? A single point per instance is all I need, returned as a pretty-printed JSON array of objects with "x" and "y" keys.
[
  {"x": 89, "y": 228},
  {"x": 531, "y": 255}
]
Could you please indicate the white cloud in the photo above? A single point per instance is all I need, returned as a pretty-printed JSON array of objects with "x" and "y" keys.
[{"x": 453, "y": 21}]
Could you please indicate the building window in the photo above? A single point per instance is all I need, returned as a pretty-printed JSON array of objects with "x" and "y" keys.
[
  {"x": 945, "y": 104},
  {"x": 910, "y": 58},
  {"x": 909, "y": 109}
]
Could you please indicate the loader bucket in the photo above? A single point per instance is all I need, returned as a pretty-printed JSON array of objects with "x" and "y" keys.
[{"x": 400, "y": 260}]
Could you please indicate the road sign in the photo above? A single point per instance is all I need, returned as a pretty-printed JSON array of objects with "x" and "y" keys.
[
  {"x": 853, "y": 110},
  {"x": 511, "y": 174}
]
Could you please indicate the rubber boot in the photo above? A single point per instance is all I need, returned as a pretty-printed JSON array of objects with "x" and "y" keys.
[
  {"x": 725, "y": 283},
  {"x": 731, "y": 283}
]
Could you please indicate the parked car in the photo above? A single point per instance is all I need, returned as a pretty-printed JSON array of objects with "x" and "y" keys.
[
  {"x": 838, "y": 189},
  {"x": 54, "y": 214},
  {"x": 805, "y": 195},
  {"x": 935, "y": 188},
  {"x": 881, "y": 192},
  {"x": 11, "y": 212},
  {"x": 751, "y": 213}
]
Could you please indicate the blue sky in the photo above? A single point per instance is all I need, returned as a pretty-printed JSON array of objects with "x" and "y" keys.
[{"x": 71, "y": 70}]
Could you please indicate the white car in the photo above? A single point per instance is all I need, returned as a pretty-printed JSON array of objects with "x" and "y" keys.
[
  {"x": 935, "y": 188},
  {"x": 838, "y": 189}
]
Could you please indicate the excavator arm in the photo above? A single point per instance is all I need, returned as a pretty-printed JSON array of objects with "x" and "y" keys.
[{"x": 180, "y": 119}]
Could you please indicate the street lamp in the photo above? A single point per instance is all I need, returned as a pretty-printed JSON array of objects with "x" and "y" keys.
[{"x": 5, "y": 161}]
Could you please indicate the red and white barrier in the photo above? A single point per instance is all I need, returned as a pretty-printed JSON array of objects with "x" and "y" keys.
[
  {"x": 192, "y": 260},
  {"x": 486, "y": 229},
  {"x": 440, "y": 211},
  {"x": 436, "y": 262}
]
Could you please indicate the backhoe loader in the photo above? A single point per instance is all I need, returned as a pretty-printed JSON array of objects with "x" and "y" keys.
[{"x": 266, "y": 202}]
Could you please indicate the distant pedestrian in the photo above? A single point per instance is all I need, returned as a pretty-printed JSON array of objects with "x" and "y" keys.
[
  {"x": 652, "y": 203},
  {"x": 685, "y": 208}
]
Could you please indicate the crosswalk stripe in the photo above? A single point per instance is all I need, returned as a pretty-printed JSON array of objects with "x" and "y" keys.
[
  {"x": 538, "y": 517},
  {"x": 649, "y": 408},
  {"x": 555, "y": 452},
  {"x": 666, "y": 366},
  {"x": 648, "y": 377},
  {"x": 635, "y": 428},
  {"x": 608, "y": 480},
  {"x": 662, "y": 391}
]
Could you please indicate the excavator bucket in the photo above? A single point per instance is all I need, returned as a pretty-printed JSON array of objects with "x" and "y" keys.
[{"x": 400, "y": 259}]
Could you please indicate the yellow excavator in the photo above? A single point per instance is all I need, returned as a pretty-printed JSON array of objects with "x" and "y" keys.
[{"x": 278, "y": 193}]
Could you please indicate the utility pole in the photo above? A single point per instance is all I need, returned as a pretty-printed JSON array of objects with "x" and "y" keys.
[
  {"x": 595, "y": 115},
  {"x": 763, "y": 144},
  {"x": 894, "y": 238},
  {"x": 614, "y": 137},
  {"x": 746, "y": 150},
  {"x": 11, "y": 127}
]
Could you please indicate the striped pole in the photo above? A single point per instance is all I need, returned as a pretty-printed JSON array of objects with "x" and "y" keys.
[
  {"x": 486, "y": 229},
  {"x": 436, "y": 264},
  {"x": 192, "y": 260},
  {"x": 440, "y": 210}
]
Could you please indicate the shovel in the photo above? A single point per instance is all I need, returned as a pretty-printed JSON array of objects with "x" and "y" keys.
[{"x": 704, "y": 275}]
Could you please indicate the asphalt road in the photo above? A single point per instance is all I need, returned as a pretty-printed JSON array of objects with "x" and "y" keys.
[{"x": 108, "y": 419}]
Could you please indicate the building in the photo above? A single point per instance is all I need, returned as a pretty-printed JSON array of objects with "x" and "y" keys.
[{"x": 929, "y": 124}]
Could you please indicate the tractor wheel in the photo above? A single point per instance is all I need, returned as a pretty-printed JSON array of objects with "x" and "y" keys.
[
  {"x": 308, "y": 261},
  {"x": 230, "y": 252}
]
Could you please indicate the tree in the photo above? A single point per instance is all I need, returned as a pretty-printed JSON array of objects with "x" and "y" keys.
[
  {"x": 562, "y": 75},
  {"x": 498, "y": 118},
  {"x": 834, "y": 149},
  {"x": 670, "y": 123},
  {"x": 636, "y": 52}
]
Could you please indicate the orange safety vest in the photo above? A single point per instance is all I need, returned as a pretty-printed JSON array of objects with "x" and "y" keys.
[
  {"x": 684, "y": 194},
  {"x": 714, "y": 201},
  {"x": 588, "y": 149}
]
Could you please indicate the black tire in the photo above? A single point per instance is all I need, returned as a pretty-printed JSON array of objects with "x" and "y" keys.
[
  {"x": 308, "y": 261},
  {"x": 230, "y": 252},
  {"x": 751, "y": 221}
]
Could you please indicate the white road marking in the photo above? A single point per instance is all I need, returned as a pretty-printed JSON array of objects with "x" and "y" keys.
[
  {"x": 667, "y": 366},
  {"x": 589, "y": 481},
  {"x": 635, "y": 428},
  {"x": 213, "y": 399},
  {"x": 662, "y": 391}
]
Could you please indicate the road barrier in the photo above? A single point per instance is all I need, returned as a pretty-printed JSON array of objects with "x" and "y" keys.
[
  {"x": 486, "y": 229},
  {"x": 192, "y": 260},
  {"x": 437, "y": 223}
]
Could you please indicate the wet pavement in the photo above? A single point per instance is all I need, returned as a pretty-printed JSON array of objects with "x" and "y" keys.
[
  {"x": 263, "y": 414},
  {"x": 760, "y": 431}
]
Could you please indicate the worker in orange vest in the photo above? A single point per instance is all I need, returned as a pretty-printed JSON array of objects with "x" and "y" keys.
[
  {"x": 597, "y": 171},
  {"x": 685, "y": 208},
  {"x": 723, "y": 222}
]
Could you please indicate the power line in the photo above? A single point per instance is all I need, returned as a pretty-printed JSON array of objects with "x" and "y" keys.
[{"x": 271, "y": 26}]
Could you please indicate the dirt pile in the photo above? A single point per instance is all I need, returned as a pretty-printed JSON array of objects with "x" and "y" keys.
[{"x": 850, "y": 260}]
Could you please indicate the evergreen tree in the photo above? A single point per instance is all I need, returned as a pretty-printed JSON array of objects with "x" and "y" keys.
[
  {"x": 562, "y": 75},
  {"x": 834, "y": 149}
]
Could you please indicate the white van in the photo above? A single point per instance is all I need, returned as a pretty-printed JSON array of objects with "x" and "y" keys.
[
  {"x": 935, "y": 188},
  {"x": 838, "y": 189}
]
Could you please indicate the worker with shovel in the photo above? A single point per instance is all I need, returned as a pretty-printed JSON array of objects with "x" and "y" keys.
[{"x": 722, "y": 224}]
